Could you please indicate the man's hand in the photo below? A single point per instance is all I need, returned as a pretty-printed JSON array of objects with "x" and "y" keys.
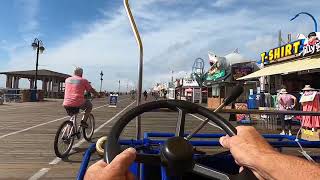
[
  {"x": 247, "y": 147},
  {"x": 118, "y": 169}
]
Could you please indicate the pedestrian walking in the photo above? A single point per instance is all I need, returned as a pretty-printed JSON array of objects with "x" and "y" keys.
[{"x": 145, "y": 94}]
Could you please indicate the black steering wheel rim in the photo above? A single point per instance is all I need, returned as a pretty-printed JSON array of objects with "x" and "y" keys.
[{"x": 112, "y": 146}]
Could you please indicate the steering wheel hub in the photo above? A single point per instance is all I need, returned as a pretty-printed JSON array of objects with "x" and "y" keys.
[{"x": 177, "y": 155}]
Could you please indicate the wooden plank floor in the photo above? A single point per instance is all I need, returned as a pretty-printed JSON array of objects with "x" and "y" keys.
[{"x": 27, "y": 132}]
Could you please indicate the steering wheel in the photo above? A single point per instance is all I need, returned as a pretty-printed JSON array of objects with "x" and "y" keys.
[{"x": 176, "y": 154}]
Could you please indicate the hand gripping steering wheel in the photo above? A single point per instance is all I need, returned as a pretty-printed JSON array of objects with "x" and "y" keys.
[{"x": 176, "y": 154}]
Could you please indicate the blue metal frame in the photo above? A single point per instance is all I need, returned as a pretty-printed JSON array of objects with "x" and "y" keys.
[
  {"x": 314, "y": 20},
  {"x": 85, "y": 161},
  {"x": 282, "y": 141}
]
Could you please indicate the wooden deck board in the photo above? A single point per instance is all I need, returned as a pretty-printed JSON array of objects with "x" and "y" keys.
[{"x": 23, "y": 154}]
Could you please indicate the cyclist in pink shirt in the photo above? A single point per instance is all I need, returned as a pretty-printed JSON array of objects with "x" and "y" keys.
[{"x": 75, "y": 88}]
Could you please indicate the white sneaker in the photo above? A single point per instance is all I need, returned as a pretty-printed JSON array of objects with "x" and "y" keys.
[
  {"x": 282, "y": 133},
  {"x": 289, "y": 133}
]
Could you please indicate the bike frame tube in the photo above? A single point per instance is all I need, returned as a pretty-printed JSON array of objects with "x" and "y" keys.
[
  {"x": 74, "y": 120},
  {"x": 280, "y": 143},
  {"x": 139, "y": 42},
  {"x": 146, "y": 141},
  {"x": 86, "y": 160}
]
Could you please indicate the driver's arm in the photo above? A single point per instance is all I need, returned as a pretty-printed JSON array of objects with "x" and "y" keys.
[{"x": 250, "y": 149}]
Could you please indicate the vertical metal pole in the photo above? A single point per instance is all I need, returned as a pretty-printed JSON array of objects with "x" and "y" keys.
[
  {"x": 279, "y": 38},
  {"x": 101, "y": 79},
  {"x": 172, "y": 76},
  {"x": 119, "y": 88},
  {"x": 139, "y": 42},
  {"x": 101, "y": 84},
  {"x": 36, "y": 76},
  {"x": 200, "y": 100},
  {"x": 289, "y": 38},
  {"x": 127, "y": 87}
]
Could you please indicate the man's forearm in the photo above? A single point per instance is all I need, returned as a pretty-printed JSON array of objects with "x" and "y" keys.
[{"x": 281, "y": 166}]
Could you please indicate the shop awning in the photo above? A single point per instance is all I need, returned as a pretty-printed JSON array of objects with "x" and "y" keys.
[{"x": 285, "y": 68}]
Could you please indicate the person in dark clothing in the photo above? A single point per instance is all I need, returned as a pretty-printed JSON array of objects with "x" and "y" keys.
[{"x": 145, "y": 94}]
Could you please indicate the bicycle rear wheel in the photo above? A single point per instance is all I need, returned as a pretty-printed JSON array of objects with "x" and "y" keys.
[
  {"x": 88, "y": 132},
  {"x": 64, "y": 139}
]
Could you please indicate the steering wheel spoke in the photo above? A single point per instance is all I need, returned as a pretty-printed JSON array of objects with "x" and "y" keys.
[
  {"x": 180, "y": 122},
  {"x": 209, "y": 172}
]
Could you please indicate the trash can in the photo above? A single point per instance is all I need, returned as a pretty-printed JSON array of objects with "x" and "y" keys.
[
  {"x": 25, "y": 95},
  {"x": 1, "y": 99},
  {"x": 33, "y": 95},
  {"x": 40, "y": 95},
  {"x": 252, "y": 102}
]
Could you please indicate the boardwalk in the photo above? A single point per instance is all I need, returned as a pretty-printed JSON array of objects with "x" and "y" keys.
[
  {"x": 27, "y": 132},
  {"x": 28, "y": 129}
]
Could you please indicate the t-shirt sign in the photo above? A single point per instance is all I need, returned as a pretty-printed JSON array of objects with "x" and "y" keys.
[{"x": 113, "y": 100}]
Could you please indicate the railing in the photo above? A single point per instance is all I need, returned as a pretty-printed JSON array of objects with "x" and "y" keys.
[
  {"x": 270, "y": 112},
  {"x": 11, "y": 95}
]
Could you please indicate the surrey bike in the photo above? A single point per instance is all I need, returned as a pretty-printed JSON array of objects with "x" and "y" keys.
[
  {"x": 69, "y": 129},
  {"x": 174, "y": 155}
]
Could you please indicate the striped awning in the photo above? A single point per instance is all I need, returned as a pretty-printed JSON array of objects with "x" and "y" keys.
[{"x": 285, "y": 68}]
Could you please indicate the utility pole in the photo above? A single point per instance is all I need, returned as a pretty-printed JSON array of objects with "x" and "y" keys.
[
  {"x": 289, "y": 37},
  {"x": 279, "y": 38}
]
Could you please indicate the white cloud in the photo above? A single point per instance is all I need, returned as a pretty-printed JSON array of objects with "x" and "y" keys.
[
  {"x": 260, "y": 43},
  {"x": 29, "y": 10},
  {"x": 223, "y": 3},
  {"x": 172, "y": 39}
]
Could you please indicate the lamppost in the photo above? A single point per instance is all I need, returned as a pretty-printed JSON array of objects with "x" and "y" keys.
[
  {"x": 37, "y": 45},
  {"x": 314, "y": 20},
  {"x": 101, "y": 75},
  {"x": 172, "y": 75},
  {"x": 119, "y": 88}
]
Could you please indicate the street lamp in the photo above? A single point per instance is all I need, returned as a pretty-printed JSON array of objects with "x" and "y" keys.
[
  {"x": 37, "y": 45},
  {"x": 314, "y": 20},
  {"x": 101, "y": 75},
  {"x": 119, "y": 88}
]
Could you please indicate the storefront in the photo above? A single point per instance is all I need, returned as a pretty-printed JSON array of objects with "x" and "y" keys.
[
  {"x": 221, "y": 79},
  {"x": 291, "y": 66},
  {"x": 187, "y": 89},
  {"x": 295, "y": 69}
]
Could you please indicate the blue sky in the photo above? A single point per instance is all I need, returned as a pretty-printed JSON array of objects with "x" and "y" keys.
[{"x": 96, "y": 34}]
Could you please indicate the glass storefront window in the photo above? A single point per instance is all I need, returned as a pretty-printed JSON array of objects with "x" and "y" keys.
[{"x": 215, "y": 91}]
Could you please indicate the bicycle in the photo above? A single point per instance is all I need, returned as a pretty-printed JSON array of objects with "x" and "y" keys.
[{"x": 68, "y": 130}]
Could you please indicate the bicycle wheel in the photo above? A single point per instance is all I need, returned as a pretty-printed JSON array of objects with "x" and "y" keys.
[
  {"x": 64, "y": 139},
  {"x": 88, "y": 132}
]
